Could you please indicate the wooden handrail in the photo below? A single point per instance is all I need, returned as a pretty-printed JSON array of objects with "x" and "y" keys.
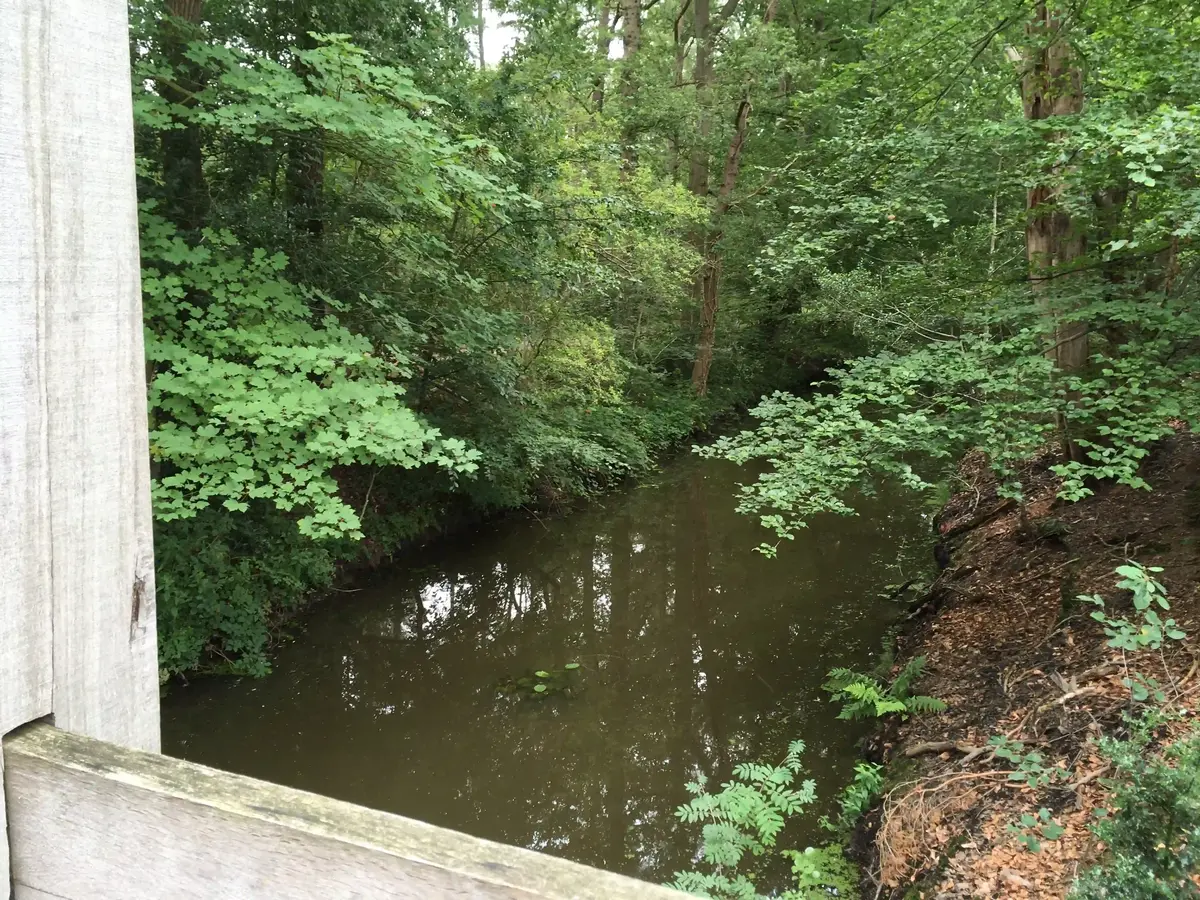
[{"x": 89, "y": 820}]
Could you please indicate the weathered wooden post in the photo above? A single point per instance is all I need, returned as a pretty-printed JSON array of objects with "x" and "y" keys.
[
  {"x": 76, "y": 464},
  {"x": 77, "y": 636}
]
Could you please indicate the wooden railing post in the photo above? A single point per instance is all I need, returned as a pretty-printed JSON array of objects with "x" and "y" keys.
[{"x": 77, "y": 633}]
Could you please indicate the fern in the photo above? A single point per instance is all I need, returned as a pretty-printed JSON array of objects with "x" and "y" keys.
[
  {"x": 857, "y": 797},
  {"x": 744, "y": 819},
  {"x": 865, "y": 697},
  {"x": 902, "y": 685},
  {"x": 918, "y": 705}
]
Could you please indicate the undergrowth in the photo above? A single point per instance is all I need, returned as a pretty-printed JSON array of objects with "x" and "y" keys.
[
  {"x": 866, "y": 697},
  {"x": 1153, "y": 830},
  {"x": 741, "y": 825}
]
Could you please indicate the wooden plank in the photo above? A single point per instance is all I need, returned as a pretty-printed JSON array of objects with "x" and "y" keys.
[
  {"x": 4, "y": 867},
  {"x": 25, "y": 600},
  {"x": 74, "y": 239},
  {"x": 93, "y": 821}
]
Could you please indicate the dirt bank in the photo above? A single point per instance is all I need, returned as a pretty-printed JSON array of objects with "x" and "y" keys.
[{"x": 1012, "y": 653}]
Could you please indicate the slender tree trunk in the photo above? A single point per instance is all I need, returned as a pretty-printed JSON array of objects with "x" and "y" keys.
[
  {"x": 702, "y": 75},
  {"x": 1052, "y": 86},
  {"x": 681, "y": 48},
  {"x": 631, "y": 40},
  {"x": 708, "y": 283},
  {"x": 603, "y": 42},
  {"x": 709, "y": 278},
  {"x": 305, "y": 174},
  {"x": 183, "y": 148},
  {"x": 479, "y": 28},
  {"x": 698, "y": 161}
]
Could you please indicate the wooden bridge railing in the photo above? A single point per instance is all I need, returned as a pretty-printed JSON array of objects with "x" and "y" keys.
[
  {"x": 89, "y": 818},
  {"x": 94, "y": 821}
]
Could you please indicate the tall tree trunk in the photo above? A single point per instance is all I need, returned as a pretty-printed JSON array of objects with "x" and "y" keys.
[
  {"x": 305, "y": 173},
  {"x": 681, "y": 48},
  {"x": 1052, "y": 86},
  {"x": 698, "y": 161},
  {"x": 702, "y": 76},
  {"x": 710, "y": 273},
  {"x": 708, "y": 280},
  {"x": 182, "y": 148},
  {"x": 479, "y": 28},
  {"x": 603, "y": 42},
  {"x": 631, "y": 40}
]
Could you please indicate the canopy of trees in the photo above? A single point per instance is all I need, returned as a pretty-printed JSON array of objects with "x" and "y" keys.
[{"x": 387, "y": 290}]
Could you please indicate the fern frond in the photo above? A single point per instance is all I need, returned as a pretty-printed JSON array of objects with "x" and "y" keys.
[
  {"x": 903, "y": 682},
  {"x": 920, "y": 704}
]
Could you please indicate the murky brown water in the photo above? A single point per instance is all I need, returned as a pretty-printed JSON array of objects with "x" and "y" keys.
[{"x": 693, "y": 653}]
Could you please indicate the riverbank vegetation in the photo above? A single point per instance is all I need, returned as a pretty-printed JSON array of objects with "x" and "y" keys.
[
  {"x": 1064, "y": 761},
  {"x": 389, "y": 289}
]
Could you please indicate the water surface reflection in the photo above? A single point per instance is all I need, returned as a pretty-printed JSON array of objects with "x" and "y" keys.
[{"x": 694, "y": 653}]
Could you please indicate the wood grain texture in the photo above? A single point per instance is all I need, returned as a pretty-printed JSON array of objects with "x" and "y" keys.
[
  {"x": 93, "y": 820},
  {"x": 5, "y": 874},
  {"x": 74, "y": 455},
  {"x": 25, "y": 598}
]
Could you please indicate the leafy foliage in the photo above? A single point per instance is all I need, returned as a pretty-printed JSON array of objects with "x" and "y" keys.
[
  {"x": 1147, "y": 593},
  {"x": 865, "y": 697},
  {"x": 1035, "y": 828},
  {"x": 1030, "y": 766},
  {"x": 1148, "y": 634},
  {"x": 744, "y": 820},
  {"x": 1153, "y": 830},
  {"x": 924, "y": 252},
  {"x": 225, "y": 581},
  {"x": 857, "y": 797},
  {"x": 253, "y": 400},
  {"x": 364, "y": 314}
]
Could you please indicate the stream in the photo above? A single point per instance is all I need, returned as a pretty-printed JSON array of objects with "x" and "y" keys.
[{"x": 555, "y": 682}]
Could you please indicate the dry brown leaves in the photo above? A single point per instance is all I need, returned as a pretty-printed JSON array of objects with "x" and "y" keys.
[{"x": 1012, "y": 659}]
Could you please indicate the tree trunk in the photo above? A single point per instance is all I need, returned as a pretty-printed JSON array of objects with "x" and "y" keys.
[
  {"x": 305, "y": 174},
  {"x": 1052, "y": 85},
  {"x": 479, "y": 28},
  {"x": 603, "y": 41},
  {"x": 698, "y": 177},
  {"x": 631, "y": 40},
  {"x": 183, "y": 148},
  {"x": 702, "y": 75},
  {"x": 681, "y": 48},
  {"x": 707, "y": 287}
]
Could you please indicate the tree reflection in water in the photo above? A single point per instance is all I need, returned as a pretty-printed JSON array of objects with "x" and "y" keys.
[{"x": 694, "y": 653}]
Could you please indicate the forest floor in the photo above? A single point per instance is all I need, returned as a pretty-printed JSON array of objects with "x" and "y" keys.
[{"x": 1012, "y": 653}]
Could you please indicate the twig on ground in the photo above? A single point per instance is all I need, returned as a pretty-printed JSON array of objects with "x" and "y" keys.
[
  {"x": 1066, "y": 698},
  {"x": 941, "y": 747}
]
